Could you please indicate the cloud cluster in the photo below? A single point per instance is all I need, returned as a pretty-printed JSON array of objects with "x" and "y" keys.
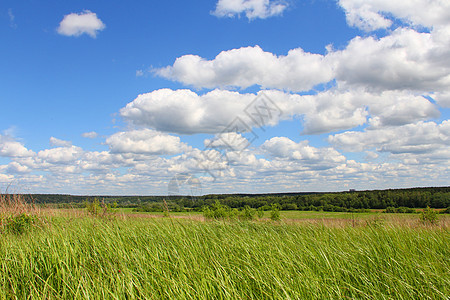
[
  {"x": 76, "y": 24},
  {"x": 404, "y": 60},
  {"x": 248, "y": 66},
  {"x": 252, "y": 8},
  {"x": 186, "y": 112}
]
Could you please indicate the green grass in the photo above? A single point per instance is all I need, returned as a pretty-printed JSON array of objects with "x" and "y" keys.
[{"x": 145, "y": 258}]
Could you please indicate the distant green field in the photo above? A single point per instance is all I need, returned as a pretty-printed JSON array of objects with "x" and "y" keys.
[
  {"x": 304, "y": 215},
  {"x": 135, "y": 256}
]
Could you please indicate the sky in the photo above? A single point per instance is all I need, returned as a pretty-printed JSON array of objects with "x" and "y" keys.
[{"x": 226, "y": 96}]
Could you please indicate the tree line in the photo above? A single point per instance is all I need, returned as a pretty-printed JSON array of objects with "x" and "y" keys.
[{"x": 434, "y": 197}]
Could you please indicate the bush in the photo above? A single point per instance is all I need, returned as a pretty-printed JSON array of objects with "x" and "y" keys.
[
  {"x": 218, "y": 211},
  {"x": 275, "y": 213},
  {"x": 260, "y": 212},
  {"x": 97, "y": 209},
  {"x": 247, "y": 213},
  {"x": 429, "y": 216},
  {"x": 289, "y": 206},
  {"x": 399, "y": 210},
  {"x": 19, "y": 224}
]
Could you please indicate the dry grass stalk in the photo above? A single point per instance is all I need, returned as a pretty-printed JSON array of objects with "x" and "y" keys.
[{"x": 15, "y": 204}]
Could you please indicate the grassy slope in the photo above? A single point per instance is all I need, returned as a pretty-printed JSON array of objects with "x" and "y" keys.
[{"x": 184, "y": 259}]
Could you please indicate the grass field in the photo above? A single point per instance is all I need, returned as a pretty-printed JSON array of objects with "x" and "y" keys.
[{"x": 69, "y": 255}]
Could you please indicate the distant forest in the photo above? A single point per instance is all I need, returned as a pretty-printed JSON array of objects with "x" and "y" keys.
[{"x": 434, "y": 197}]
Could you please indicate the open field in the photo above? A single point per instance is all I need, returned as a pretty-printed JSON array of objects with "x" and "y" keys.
[
  {"x": 70, "y": 255},
  {"x": 316, "y": 217}
]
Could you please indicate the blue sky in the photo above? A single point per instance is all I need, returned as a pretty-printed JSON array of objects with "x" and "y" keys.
[{"x": 108, "y": 97}]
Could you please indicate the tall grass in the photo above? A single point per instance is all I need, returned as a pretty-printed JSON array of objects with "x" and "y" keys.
[
  {"x": 17, "y": 215},
  {"x": 89, "y": 258},
  {"x": 14, "y": 204}
]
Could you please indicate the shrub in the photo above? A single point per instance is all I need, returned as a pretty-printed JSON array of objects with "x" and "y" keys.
[
  {"x": 97, "y": 209},
  {"x": 399, "y": 210},
  {"x": 260, "y": 212},
  {"x": 289, "y": 206},
  {"x": 19, "y": 224},
  {"x": 429, "y": 216},
  {"x": 275, "y": 213},
  {"x": 218, "y": 211},
  {"x": 247, "y": 213}
]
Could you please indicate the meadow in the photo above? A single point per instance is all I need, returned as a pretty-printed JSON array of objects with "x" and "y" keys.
[{"x": 69, "y": 254}]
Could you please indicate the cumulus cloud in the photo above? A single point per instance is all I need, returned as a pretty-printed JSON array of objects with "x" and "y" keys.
[
  {"x": 9, "y": 147},
  {"x": 185, "y": 112},
  {"x": 15, "y": 167},
  {"x": 252, "y": 8},
  {"x": 374, "y": 14},
  {"x": 144, "y": 141},
  {"x": 221, "y": 111},
  {"x": 76, "y": 24},
  {"x": 422, "y": 137},
  {"x": 404, "y": 60},
  {"x": 232, "y": 141},
  {"x": 60, "y": 155},
  {"x": 248, "y": 66},
  {"x": 285, "y": 148},
  {"x": 336, "y": 109},
  {"x": 443, "y": 99},
  {"x": 60, "y": 143}
]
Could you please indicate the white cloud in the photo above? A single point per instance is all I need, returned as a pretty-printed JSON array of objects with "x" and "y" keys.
[
  {"x": 219, "y": 111},
  {"x": 59, "y": 143},
  {"x": 15, "y": 167},
  {"x": 60, "y": 155},
  {"x": 248, "y": 66},
  {"x": 85, "y": 22},
  {"x": 334, "y": 110},
  {"x": 285, "y": 148},
  {"x": 228, "y": 140},
  {"x": 12, "y": 148},
  {"x": 252, "y": 8},
  {"x": 363, "y": 17},
  {"x": 185, "y": 112},
  {"x": 419, "y": 138},
  {"x": 443, "y": 99},
  {"x": 404, "y": 60},
  {"x": 6, "y": 178},
  {"x": 374, "y": 14},
  {"x": 144, "y": 141},
  {"x": 90, "y": 135}
]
